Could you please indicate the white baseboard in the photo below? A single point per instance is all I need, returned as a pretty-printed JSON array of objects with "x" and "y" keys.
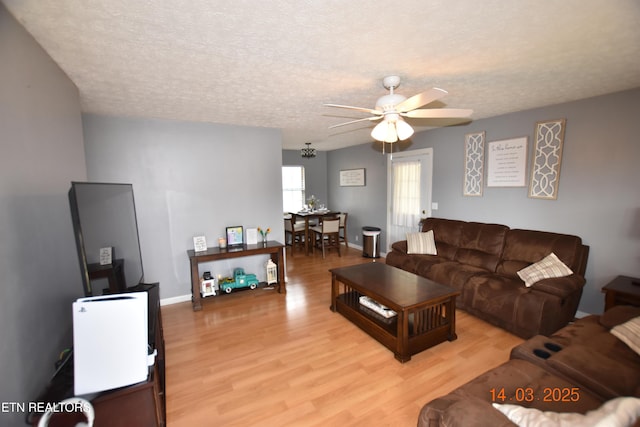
[
  {"x": 175, "y": 300},
  {"x": 581, "y": 314},
  {"x": 359, "y": 247}
]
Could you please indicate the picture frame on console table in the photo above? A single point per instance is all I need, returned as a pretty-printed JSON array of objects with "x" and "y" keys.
[
  {"x": 199, "y": 243},
  {"x": 235, "y": 236}
]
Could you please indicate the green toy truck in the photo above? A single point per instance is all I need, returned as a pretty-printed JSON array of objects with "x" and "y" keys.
[{"x": 240, "y": 280}]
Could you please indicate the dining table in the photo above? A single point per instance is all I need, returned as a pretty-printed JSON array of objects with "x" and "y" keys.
[{"x": 309, "y": 215}]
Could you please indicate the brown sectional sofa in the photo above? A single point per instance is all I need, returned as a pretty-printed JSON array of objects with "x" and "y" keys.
[
  {"x": 482, "y": 260},
  {"x": 575, "y": 370}
]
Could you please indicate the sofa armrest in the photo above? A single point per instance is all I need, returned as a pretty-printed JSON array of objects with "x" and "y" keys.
[
  {"x": 618, "y": 315},
  {"x": 560, "y": 286},
  {"x": 400, "y": 246},
  {"x": 452, "y": 410}
]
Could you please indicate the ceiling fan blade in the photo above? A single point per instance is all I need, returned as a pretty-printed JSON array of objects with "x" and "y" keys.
[
  {"x": 438, "y": 113},
  {"x": 424, "y": 98},
  {"x": 355, "y": 121},
  {"x": 365, "y": 110}
]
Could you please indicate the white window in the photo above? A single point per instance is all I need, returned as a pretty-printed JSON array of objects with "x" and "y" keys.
[{"x": 293, "y": 198}]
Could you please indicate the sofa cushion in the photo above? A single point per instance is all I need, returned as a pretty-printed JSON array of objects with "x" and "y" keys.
[
  {"x": 453, "y": 274},
  {"x": 548, "y": 267},
  {"x": 416, "y": 263},
  {"x": 494, "y": 294},
  {"x": 424, "y": 263},
  {"x": 581, "y": 331},
  {"x": 421, "y": 243},
  {"x": 481, "y": 245},
  {"x": 525, "y": 247},
  {"x": 587, "y": 366},
  {"x": 629, "y": 333},
  {"x": 446, "y": 233},
  {"x": 590, "y": 331}
]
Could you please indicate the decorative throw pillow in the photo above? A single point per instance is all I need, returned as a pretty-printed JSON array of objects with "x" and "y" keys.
[
  {"x": 629, "y": 333},
  {"x": 618, "y": 412},
  {"x": 421, "y": 243},
  {"x": 548, "y": 267}
]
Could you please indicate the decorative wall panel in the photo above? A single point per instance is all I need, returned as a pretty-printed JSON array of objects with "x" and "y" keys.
[
  {"x": 473, "y": 164},
  {"x": 547, "y": 158}
]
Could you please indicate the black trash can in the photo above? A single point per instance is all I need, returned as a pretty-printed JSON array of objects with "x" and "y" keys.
[{"x": 371, "y": 242}]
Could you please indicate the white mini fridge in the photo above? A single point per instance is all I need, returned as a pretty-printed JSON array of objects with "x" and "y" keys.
[{"x": 110, "y": 342}]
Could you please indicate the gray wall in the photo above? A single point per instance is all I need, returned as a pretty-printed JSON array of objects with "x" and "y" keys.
[
  {"x": 366, "y": 206},
  {"x": 41, "y": 152},
  {"x": 315, "y": 173},
  {"x": 598, "y": 198},
  {"x": 189, "y": 179}
]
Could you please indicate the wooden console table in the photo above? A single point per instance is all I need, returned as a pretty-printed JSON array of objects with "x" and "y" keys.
[{"x": 272, "y": 248}]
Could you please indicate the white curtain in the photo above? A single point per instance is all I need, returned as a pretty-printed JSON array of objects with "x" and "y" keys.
[{"x": 406, "y": 194}]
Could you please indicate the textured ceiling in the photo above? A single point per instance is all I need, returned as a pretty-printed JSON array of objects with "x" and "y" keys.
[{"x": 275, "y": 63}]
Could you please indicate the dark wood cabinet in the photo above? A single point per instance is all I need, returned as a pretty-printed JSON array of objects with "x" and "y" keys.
[
  {"x": 623, "y": 290},
  {"x": 141, "y": 404}
]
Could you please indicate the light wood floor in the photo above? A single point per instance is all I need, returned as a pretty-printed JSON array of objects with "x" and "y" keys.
[{"x": 259, "y": 358}]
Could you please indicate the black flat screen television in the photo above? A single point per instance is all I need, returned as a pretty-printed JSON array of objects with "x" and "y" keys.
[{"x": 104, "y": 216}]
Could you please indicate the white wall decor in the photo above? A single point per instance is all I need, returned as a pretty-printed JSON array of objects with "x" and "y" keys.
[
  {"x": 473, "y": 164},
  {"x": 547, "y": 158},
  {"x": 352, "y": 178},
  {"x": 507, "y": 162}
]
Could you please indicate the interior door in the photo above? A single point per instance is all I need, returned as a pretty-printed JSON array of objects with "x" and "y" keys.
[{"x": 409, "y": 181}]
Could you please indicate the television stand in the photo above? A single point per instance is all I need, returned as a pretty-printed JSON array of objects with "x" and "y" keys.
[{"x": 272, "y": 248}]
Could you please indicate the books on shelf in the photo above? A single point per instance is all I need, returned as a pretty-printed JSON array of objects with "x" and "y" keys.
[{"x": 372, "y": 304}]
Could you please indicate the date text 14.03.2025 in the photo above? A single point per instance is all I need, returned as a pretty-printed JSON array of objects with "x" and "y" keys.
[{"x": 528, "y": 394}]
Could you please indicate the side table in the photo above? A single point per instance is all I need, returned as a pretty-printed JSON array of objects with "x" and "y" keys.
[{"x": 623, "y": 290}]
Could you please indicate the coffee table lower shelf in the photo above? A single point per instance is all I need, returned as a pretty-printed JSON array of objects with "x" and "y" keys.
[{"x": 410, "y": 332}]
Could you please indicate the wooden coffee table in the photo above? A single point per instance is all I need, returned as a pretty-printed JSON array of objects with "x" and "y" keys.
[{"x": 426, "y": 310}]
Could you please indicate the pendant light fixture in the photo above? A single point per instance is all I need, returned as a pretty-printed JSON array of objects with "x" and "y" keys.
[{"x": 308, "y": 152}]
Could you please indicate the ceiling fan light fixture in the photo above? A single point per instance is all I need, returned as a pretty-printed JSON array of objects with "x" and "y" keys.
[
  {"x": 385, "y": 131},
  {"x": 392, "y": 130},
  {"x": 404, "y": 130},
  {"x": 308, "y": 152}
]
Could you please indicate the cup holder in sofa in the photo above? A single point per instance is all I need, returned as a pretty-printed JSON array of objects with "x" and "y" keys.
[
  {"x": 537, "y": 350},
  {"x": 553, "y": 347},
  {"x": 541, "y": 353}
]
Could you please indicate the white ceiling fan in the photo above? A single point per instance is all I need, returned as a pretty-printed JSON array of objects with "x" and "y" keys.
[{"x": 393, "y": 107}]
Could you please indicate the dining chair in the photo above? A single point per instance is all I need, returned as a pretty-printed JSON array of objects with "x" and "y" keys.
[
  {"x": 343, "y": 228},
  {"x": 327, "y": 235},
  {"x": 294, "y": 233}
]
